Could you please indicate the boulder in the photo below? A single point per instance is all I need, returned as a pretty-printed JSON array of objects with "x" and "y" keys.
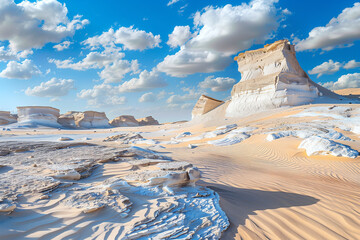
[
  {"x": 271, "y": 77},
  {"x": 38, "y": 115},
  {"x": 147, "y": 121},
  {"x": 124, "y": 121},
  {"x": 204, "y": 105},
  {"x": 6, "y": 118}
]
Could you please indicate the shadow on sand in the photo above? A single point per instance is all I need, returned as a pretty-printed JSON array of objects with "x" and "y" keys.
[{"x": 239, "y": 203}]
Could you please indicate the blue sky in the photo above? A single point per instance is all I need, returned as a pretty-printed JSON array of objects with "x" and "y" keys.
[{"x": 157, "y": 57}]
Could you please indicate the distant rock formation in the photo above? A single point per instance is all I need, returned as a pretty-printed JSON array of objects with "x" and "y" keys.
[
  {"x": 68, "y": 119},
  {"x": 124, "y": 121},
  {"x": 147, "y": 121},
  {"x": 87, "y": 119},
  {"x": 6, "y": 118},
  {"x": 38, "y": 115},
  {"x": 204, "y": 105},
  {"x": 271, "y": 77}
]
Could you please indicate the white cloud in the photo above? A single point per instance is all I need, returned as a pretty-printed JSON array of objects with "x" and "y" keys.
[
  {"x": 52, "y": 88},
  {"x": 344, "y": 29},
  {"x": 179, "y": 36},
  {"x": 171, "y": 2},
  {"x": 148, "y": 97},
  {"x": 345, "y": 81},
  {"x": 20, "y": 70},
  {"x": 92, "y": 60},
  {"x": 146, "y": 81},
  {"x": 28, "y": 25},
  {"x": 102, "y": 95},
  {"x": 221, "y": 32},
  {"x": 129, "y": 38},
  {"x": 329, "y": 67},
  {"x": 184, "y": 100},
  {"x": 62, "y": 46},
  {"x": 218, "y": 84},
  {"x": 352, "y": 64},
  {"x": 186, "y": 62},
  {"x": 115, "y": 72},
  {"x": 8, "y": 54},
  {"x": 161, "y": 95}
]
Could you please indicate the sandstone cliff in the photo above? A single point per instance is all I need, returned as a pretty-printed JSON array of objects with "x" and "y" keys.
[
  {"x": 147, "y": 121},
  {"x": 124, "y": 121},
  {"x": 204, "y": 105}
]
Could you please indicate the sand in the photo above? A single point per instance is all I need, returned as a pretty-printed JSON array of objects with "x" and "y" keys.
[{"x": 267, "y": 189}]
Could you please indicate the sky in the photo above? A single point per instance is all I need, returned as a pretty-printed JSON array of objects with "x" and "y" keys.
[{"x": 157, "y": 57}]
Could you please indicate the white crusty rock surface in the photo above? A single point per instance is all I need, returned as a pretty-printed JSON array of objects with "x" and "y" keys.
[
  {"x": 135, "y": 193},
  {"x": 33, "y": 116},
  {"x": 271, "y": 77},
  {"x": 204, "y": 105},
  {"x": 124, "y": 121},
  {"x": 6, "y": 118}
]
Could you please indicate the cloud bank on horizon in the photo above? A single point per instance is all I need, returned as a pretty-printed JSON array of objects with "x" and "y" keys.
[{"x": 127, "y": 61}]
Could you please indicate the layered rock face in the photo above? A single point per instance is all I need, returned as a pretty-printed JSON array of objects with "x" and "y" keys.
[
  {"x": 271, "y": 77},
  {"x": 147, "y": 121},
  {"x": 6, "y": 118},
  {"x": 124, "y": 121},
  {"x": 38, "y": 115},
  {"x": 205, "y": 104},
  {"x": 68, "y": 119},
  {"x": 87, "y": 119}
]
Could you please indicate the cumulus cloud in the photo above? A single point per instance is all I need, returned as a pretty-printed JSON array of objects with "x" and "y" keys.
[
  {"x": 221, "y": 32},
  {"x": 20, "y": 70},
  {"x": 352, "y": 64},
  {"x": 342, "y": 30},
  {"x": 127, "y": 37},
  {"x": 179, "y": 36},
  {"x": 115, "y": 72},
  {"x": 52, "y": 88},
  {"x": 102, "y": 95},
  {"x": 329, "y": 67},
  {"x": 7, "y": 54},
  {"x": 146, "y": 81},
  {"x": 218, "y": 84},
  {"x": 148, "y": 97},
  {"x": 28, "y": 25},
  {"x": 351, "y": 80},
  {"x": 62, "y": 46},
  {"x": 184, "y": 100}
]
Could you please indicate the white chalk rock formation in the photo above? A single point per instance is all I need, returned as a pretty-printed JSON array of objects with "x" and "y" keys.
[
  {"x": 204, "y": 105},
  {"x": 38, "y": 115},
  {"x": 271, "y": 77},
  {"x": 68, "y": 119},
  {"x": 87, "y": 119},
  {"x": 6, "y": 118},
  {"x": 124, "y": 121},
  {"x": 147, "y": 121}
]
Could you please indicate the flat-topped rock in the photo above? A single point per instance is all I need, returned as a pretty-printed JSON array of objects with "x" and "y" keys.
[
  {"x": 38, "y": 115},
  {"x": 149, "y": 120},
  {"x": 204, "y": 105},
  {"x": 271, "y": 77},
  {"x": 87, "y": 119},
  {"x": 124, "y": 121},
  {"x": 6, "y": 118}
]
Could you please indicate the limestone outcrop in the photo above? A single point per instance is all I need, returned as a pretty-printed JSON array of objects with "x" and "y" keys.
[
  {"x": 271, "y": 77},
  {"x": 6, "y": 118},
  {"x": 124, "y": 121},
  {"x": 38, "y": 115},
  {"x": 87, "y": 119},
  {"x": 149, "y": 120},
  {"x": 204, "y": 105}
]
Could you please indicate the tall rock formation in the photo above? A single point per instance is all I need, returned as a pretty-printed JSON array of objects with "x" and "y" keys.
[
  {"x": 6, "y": 118},
  {"x": 271, "y": 77},
  {"x": 149, "y": 120},
  {"x": 38, "y": 115},
  {"x": 204, "y": 105},
  {"x": 124, "y": 121}
]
